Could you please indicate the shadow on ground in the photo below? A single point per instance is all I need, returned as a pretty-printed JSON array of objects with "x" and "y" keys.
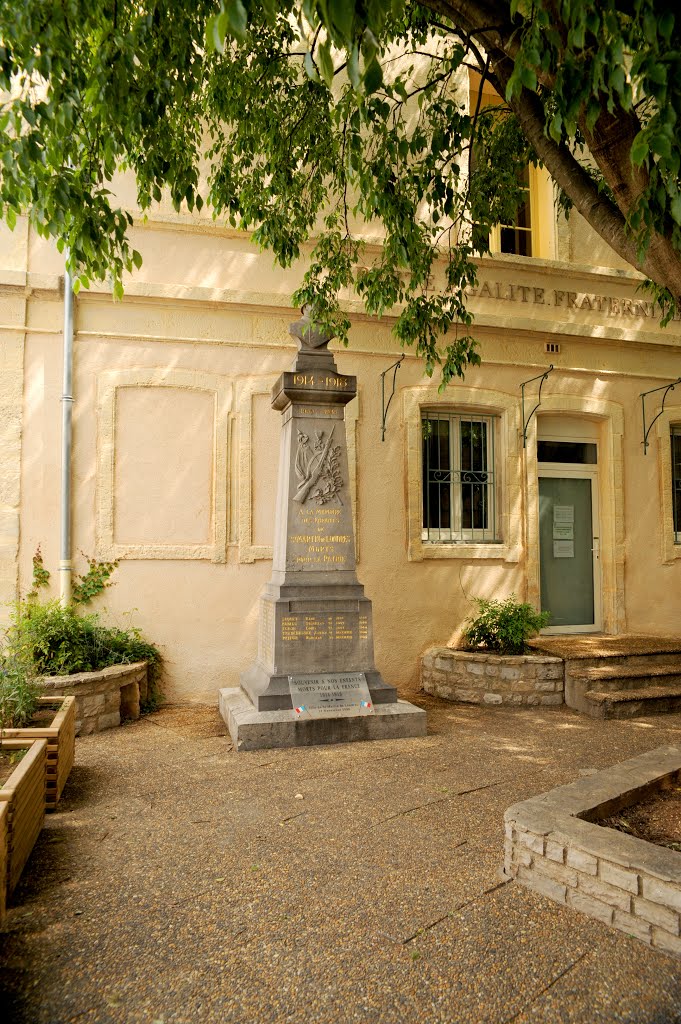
[{"x": 183, "y": 882}]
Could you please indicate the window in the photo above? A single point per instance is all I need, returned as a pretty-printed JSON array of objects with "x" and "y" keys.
[
  {"x": 516, "y": 238},
  {"x": 459, "y": 498},
  {"x": 582, "y": 452},
  {"x": 676, "y": 480},
  {"x": 533, "y": 230}
]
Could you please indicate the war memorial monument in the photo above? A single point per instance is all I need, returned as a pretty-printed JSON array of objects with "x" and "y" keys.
[{"x": 314, "y": 679}]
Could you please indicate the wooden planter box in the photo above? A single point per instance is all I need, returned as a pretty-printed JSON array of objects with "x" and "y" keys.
[
  {"x": 61, "y": 743},
  {"x": 24, "y": 795},
  {"x": 4, "y": 815}
]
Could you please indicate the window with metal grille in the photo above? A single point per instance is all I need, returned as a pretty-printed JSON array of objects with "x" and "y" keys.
[
  {"x": 676, "y": 480},
  {"x": 459, "y": 491}
]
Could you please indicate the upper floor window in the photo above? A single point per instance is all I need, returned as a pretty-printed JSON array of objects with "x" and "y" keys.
[
  {"x": 532, "y": 230},
  {"x": 676, "y": 480},
  {"x": 459, "y": 487},
  {"x": 516, "y": 238}
]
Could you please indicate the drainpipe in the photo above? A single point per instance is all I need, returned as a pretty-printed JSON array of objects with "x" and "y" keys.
[{"x": 65, "y": 566}]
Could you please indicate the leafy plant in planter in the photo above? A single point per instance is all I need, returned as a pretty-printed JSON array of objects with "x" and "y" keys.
[
  {"x": 26, "y": 716},
  {"x": 504, "y": 626},
  {"x": 56, "y": 640},
  {"x": 19, "y": 693}
]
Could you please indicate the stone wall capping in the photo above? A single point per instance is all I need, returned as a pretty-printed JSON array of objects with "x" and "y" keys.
[
  {"x": 103, "y": 697},
  {"x": 623, "y": 881}
]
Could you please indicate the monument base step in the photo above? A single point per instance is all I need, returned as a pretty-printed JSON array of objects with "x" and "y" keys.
[{"x": 256, "y": 730}]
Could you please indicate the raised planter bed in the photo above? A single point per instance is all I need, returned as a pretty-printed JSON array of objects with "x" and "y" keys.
[
  {"x": 24, "y": 794},
  {"x": 555, "y": 846},
  {"x": 4, "y": 815},
  {"x": 103, "y": 698},
  {"x": 479, "y": 678},
  {"x": 60, "y": 734}
]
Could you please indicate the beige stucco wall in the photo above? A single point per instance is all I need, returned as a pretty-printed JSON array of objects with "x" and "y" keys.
[
  {"x": 13, "y": 246},
  {"x": 175, "y": 445}
]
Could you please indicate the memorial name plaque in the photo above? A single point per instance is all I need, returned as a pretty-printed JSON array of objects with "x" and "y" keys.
[{"x": 338, "y": 695}]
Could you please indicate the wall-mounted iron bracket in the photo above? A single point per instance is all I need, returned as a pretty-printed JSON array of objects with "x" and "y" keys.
[
  {"x": 394, "y": 367},
  {"x": 526, "y": 422},
  {"x": 644, "y": 394}
]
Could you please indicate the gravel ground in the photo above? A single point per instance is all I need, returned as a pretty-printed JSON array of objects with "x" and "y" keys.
[{"x": 182, "y": 883}]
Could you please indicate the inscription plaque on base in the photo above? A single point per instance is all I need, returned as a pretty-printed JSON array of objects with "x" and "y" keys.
[{"x": 330, "y": 695}]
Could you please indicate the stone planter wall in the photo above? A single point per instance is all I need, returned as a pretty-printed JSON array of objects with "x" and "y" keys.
[
  {"x": 519, "y": 679},
  {"x": 103, "y": 698},
  {"x": 555, "y": 846}
]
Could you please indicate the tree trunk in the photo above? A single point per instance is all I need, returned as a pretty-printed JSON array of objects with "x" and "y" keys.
[{"x": 609, "y": 144}]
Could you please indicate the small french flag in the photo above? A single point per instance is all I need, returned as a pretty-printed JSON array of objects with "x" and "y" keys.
[
  {"x": 365, "y": 703},
  {"x": 300, "y": 710}
]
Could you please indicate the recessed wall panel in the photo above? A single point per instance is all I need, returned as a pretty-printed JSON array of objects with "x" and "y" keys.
[{"x": 163, "y": 469}]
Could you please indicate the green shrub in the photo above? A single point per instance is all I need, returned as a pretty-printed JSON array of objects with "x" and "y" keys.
[
  {"x": 55, "y": 640},
  {"x": 19, "y": 692},
  {"x": 504, "y": 626}
]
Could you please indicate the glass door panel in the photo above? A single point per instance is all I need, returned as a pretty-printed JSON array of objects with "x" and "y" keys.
[{"x": 565, "y": 547}]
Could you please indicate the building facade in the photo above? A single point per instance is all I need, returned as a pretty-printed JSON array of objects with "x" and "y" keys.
[{"x": 548, "y": 490}]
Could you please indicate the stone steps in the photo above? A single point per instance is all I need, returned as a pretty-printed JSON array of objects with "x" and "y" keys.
[
  {"x": 622, "y": 677},
  {"x": 631, "y": 703},
  {"x": 625, "y": 676}
]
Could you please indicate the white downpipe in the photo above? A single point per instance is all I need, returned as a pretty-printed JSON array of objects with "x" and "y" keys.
[{"x": 65, "y": 566}]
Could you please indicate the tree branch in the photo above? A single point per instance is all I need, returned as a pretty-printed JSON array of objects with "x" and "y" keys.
[{"x": 609, "y": 144}]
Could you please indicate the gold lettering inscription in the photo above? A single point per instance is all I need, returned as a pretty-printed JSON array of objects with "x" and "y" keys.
[
  {"x": 314, "y": 538},
  {"x": 308, "y": 380},
  {"x": 320, "y": 515},
  {"x": 310, "y": 628}
]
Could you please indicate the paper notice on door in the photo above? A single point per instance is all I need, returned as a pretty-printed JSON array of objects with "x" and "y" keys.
[
  {"x": 563, "y": 531},
  {"x": 563, "y": 514},
  {"x": 563, "y": 549}
]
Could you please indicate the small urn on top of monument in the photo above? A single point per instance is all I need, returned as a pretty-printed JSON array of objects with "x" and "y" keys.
[{"x": 315, "y": 623}]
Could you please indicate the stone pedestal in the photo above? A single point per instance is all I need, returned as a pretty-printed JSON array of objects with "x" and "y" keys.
[{"x": 315, "y": 619}]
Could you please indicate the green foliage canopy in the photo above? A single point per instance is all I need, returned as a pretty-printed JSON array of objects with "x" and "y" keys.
[{"x": 301, "y": 121}]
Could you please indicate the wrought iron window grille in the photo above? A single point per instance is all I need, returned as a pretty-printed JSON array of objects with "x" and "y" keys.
[{"x": 459, "y": 484}]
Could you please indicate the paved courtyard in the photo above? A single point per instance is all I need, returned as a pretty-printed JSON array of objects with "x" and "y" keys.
[{"x": 181, "y": 882}]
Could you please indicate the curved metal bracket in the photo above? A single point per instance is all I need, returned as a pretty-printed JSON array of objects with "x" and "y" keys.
[
  {"x": 394, "y": 367},
  {"x": 526, "y": 422},
  {"x": 644, "y": 394}
]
